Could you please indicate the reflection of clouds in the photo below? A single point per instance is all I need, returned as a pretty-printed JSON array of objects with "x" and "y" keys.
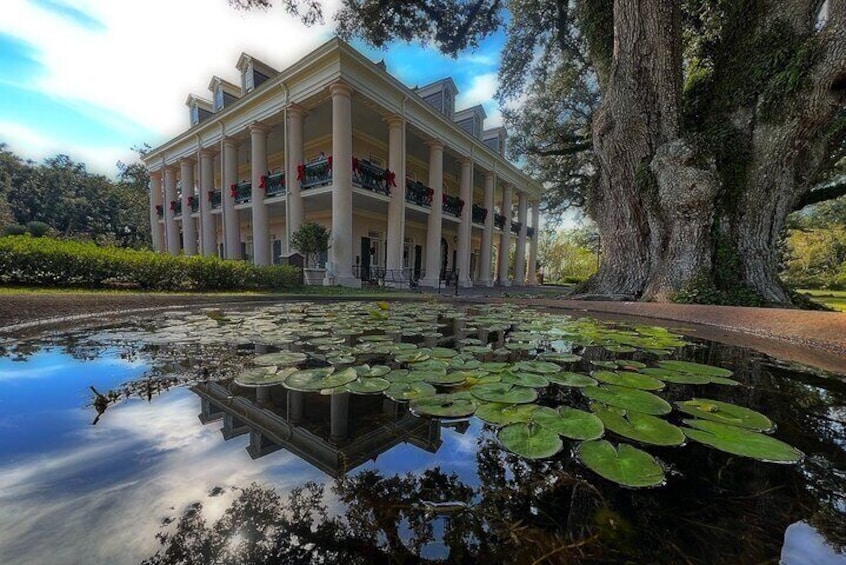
[
  {"x": 51, "y": 365},
  {"x": 803, "y": 545},
  {"x": 103, "y": 500}
]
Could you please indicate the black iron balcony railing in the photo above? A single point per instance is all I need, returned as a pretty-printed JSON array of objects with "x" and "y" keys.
[
  {"x": 242, "y": 192},
  {"x": 274, "y": 185},
  {"x": 515, "y": 227},
  {"x": 194, "y": 203},
  {"x": 159, "y": 210},
  {"x": 530, "y": 231},
  {"x": 316, "y": 173},
  {"x": 370, "y": 177},
  {"x": 215, "y": 198},
  {"x": 176, "y": 206},
  {"x": 418, "y": 193},
  {"x": 499, "y": 221},
  {"x": 453, "y": 205},
  {"x": 480, "y": 214}
]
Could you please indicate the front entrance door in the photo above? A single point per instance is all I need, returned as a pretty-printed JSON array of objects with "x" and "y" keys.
[
  {"x": 418, "y": 258},
  {"x": 365, "y": 259}
]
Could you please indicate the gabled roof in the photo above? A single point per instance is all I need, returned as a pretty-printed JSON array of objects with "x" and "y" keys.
[
  {"x": 494, "y": 132},
  {"x": 444, "y": 81},
  {"x": 227, "y": 86},
  {"x": 263, "y": 67},
  {"x": 199, "y": 100},
  {"x": 477, "y": 109}
]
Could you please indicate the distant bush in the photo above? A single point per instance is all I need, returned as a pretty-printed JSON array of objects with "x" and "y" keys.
[
  {"x": 14, "y": 229},
  {"x": 37, "y": 229},
  {"x": 45, "y": 261}
]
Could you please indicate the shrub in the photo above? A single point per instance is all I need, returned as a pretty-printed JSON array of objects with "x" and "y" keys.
[
  {"x": 311, "y": 239},
  {"x": 46, "y": 261},
  {"x": 37, "y": 229},
  {"x": 14, "y": 229}
]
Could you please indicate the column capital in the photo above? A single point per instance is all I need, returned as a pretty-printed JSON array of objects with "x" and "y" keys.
[
  {"x": 155, "y": 175},
  {"x": 340, "y": 89},
  {"x": 435, "y": 144},
  {"x": 395, "y": 120},
  {"x": 207, "y": 152},
  {"x": 186, "y": 161},
  {"x": 489, "y": 175},
  {"x": 258, "y": 128},
  {"x": 295, "y": 109},
  {"x": 229, "y": 142},
  {"x": 169, "y": 169},
  {"x": 465, "y": 161}
]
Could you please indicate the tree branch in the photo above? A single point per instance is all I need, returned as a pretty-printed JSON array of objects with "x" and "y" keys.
[
  {"x": 569, "y": 150},
  {"x": 822, "y": 194}
]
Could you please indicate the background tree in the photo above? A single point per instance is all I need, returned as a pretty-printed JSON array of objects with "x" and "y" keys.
[{"x": 715, "y": 120}]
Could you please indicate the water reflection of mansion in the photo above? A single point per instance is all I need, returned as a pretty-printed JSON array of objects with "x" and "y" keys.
[{"x": 335, "y": 433}]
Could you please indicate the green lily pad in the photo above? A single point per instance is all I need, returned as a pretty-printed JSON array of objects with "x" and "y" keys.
[
  {"x": 725, "y": 413},
  {"x": 263, "y": 376},
  {"x": 625, "y": 378},
  {"x": 529, "y": 440},
  {"x": 640, "y": 427},
  {"x": 605, "y": 364},
  {"x": 476, "y": 349},
  {"x": 571, "y": 379},
  {"x": 503, "y": 414},
  {"x": 695, "y": 368},
  {"x": 412, "y": 357},
  {"x": 625, "y": 465},
  {"x": 449, "y": 379},
  {"x": 628, "y": 398},
  {"x": 368, "y": 385},
  {"x": 676, "y": 377},
  {"x": 280, "y": 359},
  {"x": 504, "y": 392},
  {"x": 432, "y": 365},
  {"x": 520, "y": 346},
  {"x": 723, "y": 381},
  {"x": 540, "y": 367},
  {"x": 444, "y": 406},
  {"x": 569, "y": 422},
  {"x": 560, "y": 357},
  {"x": 319, "y": 379},
  {"x": 620, "y": 348},
  {"x": 375, "y": 371},
  {"x": 414, "y": 376},
  {"x": 443, "y": 353},
  {"x": 494, "y": 366},
  {"x": 409, "y": 391},
  {"x": 738, "y": 441},
  {"x": 530, "y": 380}
]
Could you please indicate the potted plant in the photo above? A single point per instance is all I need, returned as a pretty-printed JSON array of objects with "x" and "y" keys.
[{"x": 311, "y": 239}]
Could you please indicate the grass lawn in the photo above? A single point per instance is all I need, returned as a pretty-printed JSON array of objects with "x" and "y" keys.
[{"x": 835, "y": 299}]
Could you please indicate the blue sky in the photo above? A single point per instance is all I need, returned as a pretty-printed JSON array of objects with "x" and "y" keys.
[{"x": 91, "y": 78}]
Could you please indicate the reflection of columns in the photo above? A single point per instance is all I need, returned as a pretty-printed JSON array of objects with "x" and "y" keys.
[
  {"x": 532, "y": 278},
  {"x": 171, "y": 230},
  {"x": 341, "y": 250},
  {"x": 155, "y": 200},
  {"x": 396, "y": 207},
  {"x": 433, "y": 229},
  {"x": 339, "y": 410},
  {"x": 258, "y": 165},
  {"x": 295, "y": 407},
  {"x": 520, "y": 255},
  {"x": 296, "y": 211},
  {"x": 505, "y": 239},
  {"x": 189, "y": 231},
  {"x": 487, "y": 233},
  {"x": 231, "y": 223},
  {"x": 465, "y": 227},
  {"x": 208, "y": 234}
]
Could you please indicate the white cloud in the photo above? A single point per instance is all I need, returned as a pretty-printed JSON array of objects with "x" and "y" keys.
[{"x": 481, "y": 91}]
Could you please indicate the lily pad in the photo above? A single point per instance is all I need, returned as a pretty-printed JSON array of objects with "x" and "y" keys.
[
  {"x": 494, "y": 366},
  {"x": 503, "y": 414},
  {"x": 695, "y": 368},
  {"x": 444, "y": 406},
  {"x": 369, "y": 385},
  {"x": 676, "y": 377},
  {"x": 443, "y": 352},
  {"x": 571, "y": 379},
  {"x": 560, "y": 357},
  {"x": 540, "y": 367},
  {"x": 280, "y": 359},
  {"x": 319, "y": 379},
  {"x": 505, "y": 393},
  {"x": 529, "y": 440},
  {"x": 409, "y": 391},
  {"x": 450, "y": 379},
  {"x": 375, "y": 371},
  {"x": 625, "y": 465},
  {"x": 626, "y": 378},
  {"x": 263, "y": 376},
  {"x": 738, "y": 441},
  {"x": 726, "y": 413},
  {"x": 569, "y": 422},
  {"x": 628, "y": 398},
  {"x": 640, "y": 427},
  {"x": 412, "y": 356},
  {"x": 530, "y": 380}
]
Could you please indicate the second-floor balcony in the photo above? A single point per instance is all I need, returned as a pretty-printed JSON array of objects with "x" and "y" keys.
[
  {"x": 159, "y": 210},
  {"x": 515, "y": 227},
  {"x": 242, "y": 192},
  {"x": 371, "y": 177},
  {"x": 453, "y": 205},
  {"x": 176, "y": 206},
  {"x": 315, "y": 173},
  {"x": 480, "y": 214},
  {"x": 530, "y": 231},
  {"x": 215, "y": 198},
  {"x": 274, "y": 185},
  {"x": 194, "y": 203},
  {"x": 499, "y": 221},
  {"x": 418, "y": 193}
]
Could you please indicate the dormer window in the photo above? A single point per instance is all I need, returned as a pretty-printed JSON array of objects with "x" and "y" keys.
[
  {"x": 224, "y": 94},
  {"x": 440, "y": 95},
  {"x": 218, "y": 99},
  {"x": 471, "y": 120},
  {"x": 495, "y": 139},
  {"x": 199, "y": 109},
  {"x": 253, "y": 72}
]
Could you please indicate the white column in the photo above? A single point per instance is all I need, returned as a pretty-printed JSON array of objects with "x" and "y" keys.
[
  {"x": 532, "y": 276},
  {"x": 156, "y": 200},
  {"x": 208, "y": 233},
  {"x": 465, "y": 227},
  {"x": 520, "y": 255},
  {"x": 487, "y": 233},
  {"x": 296, "y": 210},
  {"x": 171, "y": 228},
  {"x": 189, "y": 231},
  {"x": 505, "y": 239},
  {"x": 231, "y": 223},
  {"x": 339, "y": 410},
  {"x": 341, "y": 250},
  {"x": 396, "y": 208},
  {"x": 434, "y": 227},
  {"x": 258, "y": 165}
]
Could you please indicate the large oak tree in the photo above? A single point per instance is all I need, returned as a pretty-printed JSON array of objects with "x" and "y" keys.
[{"x": 688, "y": 129}]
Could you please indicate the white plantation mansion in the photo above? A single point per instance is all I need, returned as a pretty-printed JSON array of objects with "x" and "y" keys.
[{"x": 409, "y": 187}]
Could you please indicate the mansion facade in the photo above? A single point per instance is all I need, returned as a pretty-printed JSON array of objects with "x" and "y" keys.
[{"x": 409, "y": 187}]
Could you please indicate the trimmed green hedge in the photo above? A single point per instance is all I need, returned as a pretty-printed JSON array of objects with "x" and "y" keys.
[{"x": 45, "y": 261}]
